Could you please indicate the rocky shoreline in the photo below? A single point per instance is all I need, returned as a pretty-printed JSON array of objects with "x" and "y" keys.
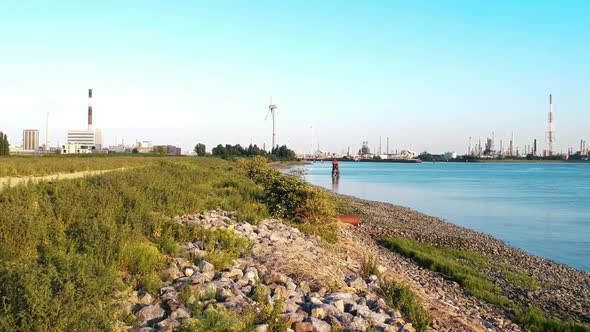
[
  {"x": 318, "y": 292},
  {"x": 321, "y": 285},
  {"x": 565, "y": 291}
]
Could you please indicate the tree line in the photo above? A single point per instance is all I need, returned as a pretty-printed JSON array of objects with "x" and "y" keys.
[
  {"x": 252, "y": 150},
  {"x": 4, "y": 145}
]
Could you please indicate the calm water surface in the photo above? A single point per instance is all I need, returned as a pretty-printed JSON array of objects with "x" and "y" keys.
[{"x": 543, "y": 209}]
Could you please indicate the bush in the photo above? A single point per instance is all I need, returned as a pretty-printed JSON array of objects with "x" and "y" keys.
[
  {"x": 291, "y": 198},
  {"x": 400, "y": 297}
]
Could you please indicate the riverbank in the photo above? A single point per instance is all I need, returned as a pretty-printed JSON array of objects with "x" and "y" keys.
[{"x": 558, "y": 290}]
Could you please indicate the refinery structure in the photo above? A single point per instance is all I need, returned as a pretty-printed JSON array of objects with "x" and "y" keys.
[
  {"x": 84, "y": 141},
  {"x": 89, "y": 140},
  {"x": 489, "y": 148}
]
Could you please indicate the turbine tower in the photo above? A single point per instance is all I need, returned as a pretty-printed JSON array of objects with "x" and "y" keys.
[{"x": 271, "y": 110}]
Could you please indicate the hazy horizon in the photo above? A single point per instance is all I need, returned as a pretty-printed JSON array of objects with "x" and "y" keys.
[{"x": 427, "y": 74}]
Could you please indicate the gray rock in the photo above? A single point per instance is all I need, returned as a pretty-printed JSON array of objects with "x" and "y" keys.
[
  {"x": 171, "y": 273},
  {"x": 150, "y": 314},
  {"x": 167, "y": 325},
  {"x": 291, "y": 318},
  {"x": 205, "y": 266},
  {"x": 357, "y": 283},
  {"x": 199, "y": 278},
  {"x": 261, "y": 328},
  {"x": 181, "y": 313},
  {"x": 252, "y": 276},
  {"x": 315, "y": 300},
  {"x": 339, "y": 304},
  {"x": 318, "y": 312},
  {"x": 319, "y": 325},
  {"x": 144, "y": 297},
  {"x": 189, "y": 272},
  {"x": 291, "y": 286},
  {"x": 233, "y": 274},
  {"x": 408, "y": 328}
]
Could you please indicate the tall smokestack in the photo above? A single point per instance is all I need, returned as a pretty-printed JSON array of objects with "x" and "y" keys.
[
  {"x": 47, "y": 132},
  {"x": 89, "y": 109},
  {"x": 550, "y": 134}
]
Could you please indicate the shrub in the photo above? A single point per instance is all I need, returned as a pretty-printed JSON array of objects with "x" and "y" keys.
[
  {"x": 369, "y": 265},
  {"x": 400, "y": 297},
  {"x": 291, "y": 198}
]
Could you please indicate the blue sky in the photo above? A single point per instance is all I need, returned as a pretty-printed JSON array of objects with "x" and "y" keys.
[{"x": 427, "y": 74}]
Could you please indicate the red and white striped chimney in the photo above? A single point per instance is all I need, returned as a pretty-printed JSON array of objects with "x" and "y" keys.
[{"x": 89, "y": 109}]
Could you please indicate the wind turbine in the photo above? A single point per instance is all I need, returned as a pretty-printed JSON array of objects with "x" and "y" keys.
[{"x": 271, "y": 110}]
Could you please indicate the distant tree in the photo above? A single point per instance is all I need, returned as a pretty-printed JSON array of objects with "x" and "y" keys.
[
  {"x": 134, "y": 150},
  {"x": 200, "y": 149},
  {"x": 160, "y": 150},
  {"x": 4, "y": 145},
  {"x": 219, "y": 151}
]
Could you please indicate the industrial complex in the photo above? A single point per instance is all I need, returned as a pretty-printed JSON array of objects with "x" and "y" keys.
[
  {"x": 84, "y": 141},
  {"x": 89, "y": 140}
]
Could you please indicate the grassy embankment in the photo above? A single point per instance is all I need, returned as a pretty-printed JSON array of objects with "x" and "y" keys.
[
  {"x": 18, "y": 166},
  {"x": 66, "y": 247},
  {"x": 464, "y": 267}
]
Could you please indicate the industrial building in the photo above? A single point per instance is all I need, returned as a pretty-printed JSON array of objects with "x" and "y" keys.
[
  {"x": 30, "y": 139},
  {"x": 81, "y": 137},
  {"x": 171, "y": 150},
  {"x": 76, "y": 149}
]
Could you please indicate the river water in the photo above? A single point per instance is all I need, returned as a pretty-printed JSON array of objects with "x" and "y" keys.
[{"x": 542, "y": 208}]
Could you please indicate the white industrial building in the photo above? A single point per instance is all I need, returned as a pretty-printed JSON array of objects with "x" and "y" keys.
[
  {"x": 450, "y": 155},
  {"x": 81, "y": 137},
  {"x": 76, "y": 149}
]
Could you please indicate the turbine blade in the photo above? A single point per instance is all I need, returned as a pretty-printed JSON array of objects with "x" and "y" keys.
[{"x": 267, "y": 114}]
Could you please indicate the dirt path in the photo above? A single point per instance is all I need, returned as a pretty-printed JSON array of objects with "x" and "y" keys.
[{"x": 15, "y": 181}]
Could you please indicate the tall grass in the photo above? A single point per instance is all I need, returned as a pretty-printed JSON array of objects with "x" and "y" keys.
[
  {"x": 51, "y": 164},
  {"x": 401, "y": 297},
  {"x": 65, "y": 245}
]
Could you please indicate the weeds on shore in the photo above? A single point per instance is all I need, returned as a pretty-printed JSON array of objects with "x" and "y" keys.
[
  {"x": 460, "y": 266},
  {"x": 369, "y": 265},
  {"x": 401, "y": 297},
  {"x": 457, "y": 265}
]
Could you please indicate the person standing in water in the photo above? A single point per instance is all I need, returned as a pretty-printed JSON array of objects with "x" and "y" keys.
[{"x": 335, "y": 169}]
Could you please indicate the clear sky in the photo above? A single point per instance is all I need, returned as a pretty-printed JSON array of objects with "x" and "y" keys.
[{"x": 428, "y": 74}]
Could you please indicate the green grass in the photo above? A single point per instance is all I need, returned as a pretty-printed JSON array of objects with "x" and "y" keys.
[
  {"x": 522, "y": 280},
  {"x": 536, "y": 321},
  {"x": 51, "y": 164},
  {"x": 402, "y": 298},
  {"x": 66, "y": 246},
  {"x": 462, "y": 266},
  {"x": 369, "y": 265},
  {"x": 457, "y": 265}
]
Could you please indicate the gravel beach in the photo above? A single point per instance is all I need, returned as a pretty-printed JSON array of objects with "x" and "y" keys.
[{"x": 565, "y": 291}]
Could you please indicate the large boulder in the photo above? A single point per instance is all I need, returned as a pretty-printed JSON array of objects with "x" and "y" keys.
[{"x": 150, "y": 314}]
